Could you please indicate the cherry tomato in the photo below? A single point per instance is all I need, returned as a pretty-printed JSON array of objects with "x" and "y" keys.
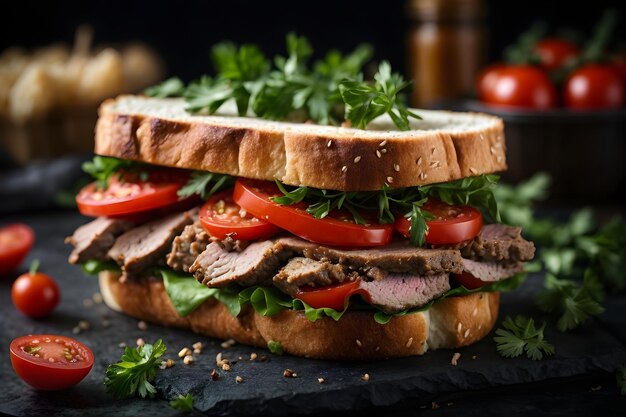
[
  {"x": 522, "y": 86},
  {"x": 554, "y": 52},
  {"x": 15, "y": 243},
  {"x": 469, "y": 281},
  {"x": 50, "y": 362},
  {"x": 332, "y": 296},
  {"x": 594, "y": 86},
  {"x": 452, "y": 224},
  {"x": 221, "y": 216},
  {"x": 487, "y": 78},
  {"x": 35, "y": 294},
  {"x": 131, "y": 194},
  {"x": 336, "y": 229}
]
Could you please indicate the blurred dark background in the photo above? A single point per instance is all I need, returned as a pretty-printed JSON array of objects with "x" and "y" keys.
[{"x": 184, "y": 31}]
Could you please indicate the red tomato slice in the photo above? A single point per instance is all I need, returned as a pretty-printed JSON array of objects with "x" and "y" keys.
[
  {"x": 332, "y": 296},
  {"x": 555, "y": 52},
  {"x": 35, "y": 295},
  {"x": 15, "y": 243},
  {"x": 452, "y": 224},
  {"x": 50, "y": 362},
  {"x": 469, "y": 281},
  {"x": 222, "y": 217},
  {"x": 132, "y": 195},
  {"x": 254, "y": 196}
]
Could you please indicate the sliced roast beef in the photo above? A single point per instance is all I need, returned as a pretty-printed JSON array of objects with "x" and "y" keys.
[
  {"x": 147, "y": 245},
  {"x": 492, "y": 271},
  {"x": 217, "y": 266},
  {"x": 300, "y": 272},
  {"x": 187, "y": 246},
  {"x": 499, "y": 242},
  {"x": 94, "y": 239},
  {"x": 397, "y": 257},
  {"x": 398, "y": 292}
]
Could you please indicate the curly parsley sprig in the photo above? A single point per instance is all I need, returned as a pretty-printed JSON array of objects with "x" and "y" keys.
[{"x": 134, "y": 373}]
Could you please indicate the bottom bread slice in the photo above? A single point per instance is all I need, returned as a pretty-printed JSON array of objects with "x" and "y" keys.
[{"x": 450, "y": 323}]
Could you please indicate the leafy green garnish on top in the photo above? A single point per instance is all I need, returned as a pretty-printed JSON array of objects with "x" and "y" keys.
[
  {"x": 103, "y": 168},
  {"x": 205, "y": 184},
  {"x": 389, "y": 202},
  {"x": 328, "y": 91}
]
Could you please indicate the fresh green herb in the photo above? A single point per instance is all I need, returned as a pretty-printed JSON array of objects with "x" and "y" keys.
[
  {"x": 94, "y": 267},
  {"x": 516, "y": 203},
  {"x": 475, "y": 191},
  {"x": 275, "y": 347},
  {"x": 523, "y": 51},
  {"x": 574, "y": 303},
  {"x": 183, "y": 403},
  {"x": 205, "y": 184},
  {"x": 134, "y": 374},
  {"x": 103, "y": 168},
  {"x": 34, "y": 266},
  {"x": 365, "y": 102},
  {"x": 521, "y": 335},
  {"x": 172, "y": 87},
  {"x": 328, "y": 91}
]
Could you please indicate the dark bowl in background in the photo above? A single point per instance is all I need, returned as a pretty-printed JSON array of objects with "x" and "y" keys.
[{"x": 583, "y": 151}]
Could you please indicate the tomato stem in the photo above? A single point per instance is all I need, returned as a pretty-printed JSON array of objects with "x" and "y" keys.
[{"x": 34, "y": 266}]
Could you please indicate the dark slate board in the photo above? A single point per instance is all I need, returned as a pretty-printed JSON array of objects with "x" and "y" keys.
[{"x": 589, "y": 351}]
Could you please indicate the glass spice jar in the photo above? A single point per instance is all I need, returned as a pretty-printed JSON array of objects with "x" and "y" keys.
[{"x": 446, "y": 46}]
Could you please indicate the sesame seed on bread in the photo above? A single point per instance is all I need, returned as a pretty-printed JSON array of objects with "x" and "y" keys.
[{"x": 441, "y": 147}]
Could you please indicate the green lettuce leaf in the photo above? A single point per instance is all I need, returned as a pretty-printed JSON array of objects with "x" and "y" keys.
[
  {"x": 185, "y": 293},
  {"x": 94, "y": 267}
]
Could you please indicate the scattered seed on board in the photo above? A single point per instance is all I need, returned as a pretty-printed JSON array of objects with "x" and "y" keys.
[
  {"x": 455, "y": 359},
  {"x": 238, "y": 379},
  {"x": 142, "y": 325},
  {"x": 365, "y": 377}
]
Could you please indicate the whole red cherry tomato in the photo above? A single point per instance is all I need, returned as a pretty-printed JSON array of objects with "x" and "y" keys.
[
  {"x": 522, "y": 86},
  {"x": 554, "y": 52},
  {"x": 594, "y": 86},
  {"x": 34, "y": 293},
  {"x": 487, "y": 78}
]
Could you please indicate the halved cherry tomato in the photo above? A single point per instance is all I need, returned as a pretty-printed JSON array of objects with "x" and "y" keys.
[
  {"x": 50, "y": 362},
  {"x": 15, "y": 242},
  {"x": 131, "y": 194},
  {"x": 222, "y": 217},
  {"x": 594, "y": 86},
  {"x": 469, "y": 281},
  {"x": 452, "y": 224},
  {"x": 35, "y": 294},
  {"x": 522, "y": 86},
  {"x": 332, "y": 296},
  {"x": 554, "y": 52},
  {"x": 254, "y": 196}
]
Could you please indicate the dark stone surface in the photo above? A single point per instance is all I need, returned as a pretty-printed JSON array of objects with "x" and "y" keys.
[{"x": 489, "y": 384}]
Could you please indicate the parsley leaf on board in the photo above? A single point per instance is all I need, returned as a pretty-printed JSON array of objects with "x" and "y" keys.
[
  {"x": 573, "y": 302},
  {"x": 134, "y": 374},
  {"x": 520, "y": 335},
  {"x": 200, "y": 181},
  {"x": 183, "y": 403},
  {"x": 172, "y": 87}
]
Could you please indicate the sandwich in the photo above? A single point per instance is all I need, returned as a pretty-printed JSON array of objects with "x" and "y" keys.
[{"x": 330, "y": 242}]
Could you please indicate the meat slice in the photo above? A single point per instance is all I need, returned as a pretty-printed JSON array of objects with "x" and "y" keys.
[
  {"x": 144, "y": 246},
  {"x": 300, "y": 272},
  {"x": 492, "y": 271},
  {"x": 397, "y": 257},
  {"x": 399, "y": 292},
  {"x": 94, "y": 239},
  {"x": 187, "y": 246},
  {"x": 256, "y": 264},
  {"x": 499, "y": 242}
]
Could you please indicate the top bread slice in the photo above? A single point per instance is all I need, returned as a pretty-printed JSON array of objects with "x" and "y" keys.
[{"x": 443, "y": 146}]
